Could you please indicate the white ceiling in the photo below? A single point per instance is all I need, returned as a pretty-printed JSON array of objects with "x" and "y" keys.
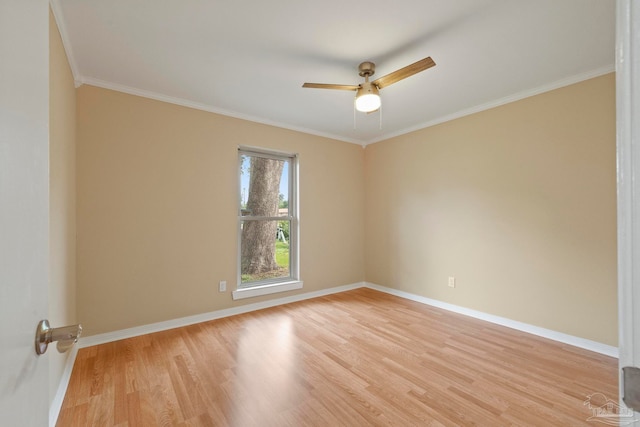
[{"x": 249, "y": 58}]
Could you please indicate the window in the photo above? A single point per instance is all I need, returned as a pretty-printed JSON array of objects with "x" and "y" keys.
[{"x": 267, "y": 223}]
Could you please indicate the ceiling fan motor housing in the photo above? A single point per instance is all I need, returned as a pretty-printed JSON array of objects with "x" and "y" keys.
[
  {"x": 367, "y": 88},
  {"x": 366, "y": 69}
]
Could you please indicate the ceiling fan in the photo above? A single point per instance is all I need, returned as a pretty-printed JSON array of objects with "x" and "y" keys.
[{"x": 367, "y": 93}]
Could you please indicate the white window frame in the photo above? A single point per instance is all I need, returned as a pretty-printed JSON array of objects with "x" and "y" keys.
[{"x": 265, "y": 287}]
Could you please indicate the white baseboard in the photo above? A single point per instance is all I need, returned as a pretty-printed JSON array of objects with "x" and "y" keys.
[
  {"x": 204, "y": 317},
  {"x": 89, "y": 341},
  {"x": 513, "y": 324},
  {"x": 56, "y": 405},
  {"x": 218, "y": 314}
]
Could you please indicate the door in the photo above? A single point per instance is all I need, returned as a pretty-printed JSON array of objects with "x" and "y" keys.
[
  {"x": 24, "y": 209},
  {"x": 628, "y": 139}
]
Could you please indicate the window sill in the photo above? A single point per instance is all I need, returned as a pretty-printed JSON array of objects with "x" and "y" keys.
[{"x": 266, "y": 289}]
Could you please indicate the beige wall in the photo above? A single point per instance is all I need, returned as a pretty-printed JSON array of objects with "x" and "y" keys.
[
  {"x": 157, "y": 194},
  {"x": 517, "y": 202},
  {"x": 62, "y": 200}
]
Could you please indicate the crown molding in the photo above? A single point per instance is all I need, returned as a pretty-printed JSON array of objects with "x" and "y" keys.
[
  {"x": 66, "y": 43},
  {"x": 205, "y": 107},
  {"x": 502, "y": 101},
  {"x": 79, "y": 80}
]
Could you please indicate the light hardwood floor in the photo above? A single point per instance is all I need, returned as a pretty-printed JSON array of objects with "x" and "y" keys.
[{"x": 357, "y": 358}]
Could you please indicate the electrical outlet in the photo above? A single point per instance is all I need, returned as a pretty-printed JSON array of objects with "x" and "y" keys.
[
  {"x": 223, "y": 286},
  {"x": 452, "y": 282}
]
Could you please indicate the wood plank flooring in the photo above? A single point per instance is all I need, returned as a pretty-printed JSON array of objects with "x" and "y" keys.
[{"x": 358, "y": 358}]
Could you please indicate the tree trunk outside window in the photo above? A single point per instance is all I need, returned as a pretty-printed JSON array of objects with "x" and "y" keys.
[{"x": 259, "y": 237}]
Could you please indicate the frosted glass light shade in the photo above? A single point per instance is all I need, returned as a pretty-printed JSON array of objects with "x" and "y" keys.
[{"x": 367, "y": 98}]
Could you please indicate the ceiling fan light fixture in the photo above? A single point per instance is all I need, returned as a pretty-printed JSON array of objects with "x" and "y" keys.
[{"x": 367, "y": 98}]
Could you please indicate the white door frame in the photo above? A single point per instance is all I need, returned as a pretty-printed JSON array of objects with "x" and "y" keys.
[{"x": 628, "y": 153}]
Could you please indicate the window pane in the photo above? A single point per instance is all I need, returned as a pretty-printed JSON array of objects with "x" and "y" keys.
[
  {"x": 268, "y": 233},
  {"x": 283, "y": 197},
  {"x": 244, "y": 183},
  {"x": 264, "y": 186},
  {"x": 264, "y": 250}
]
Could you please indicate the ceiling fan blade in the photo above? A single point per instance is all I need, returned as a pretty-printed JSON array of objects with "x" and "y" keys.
[
  {"x": 405, "y": 72},
  {"x": 330, "y": 86}
]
